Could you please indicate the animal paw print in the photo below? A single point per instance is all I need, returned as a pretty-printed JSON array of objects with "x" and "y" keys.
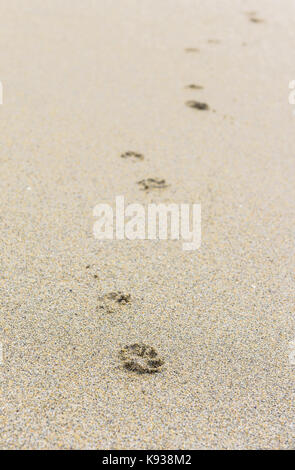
[
  {"x": 132, "y": 155},
  {"x": 141, "y": 358},
  {"x": 253, "y": 18},
  {"x": 192, "y": 49},
  {"x": 111, "y": 300},
  {"x": 152, "y": 183},
  {"x": 193, "y": 86},
  {"x": 197, "y": 105}
]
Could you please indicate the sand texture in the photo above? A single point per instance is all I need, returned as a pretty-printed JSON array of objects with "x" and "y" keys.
[{"x": 139, "y": 344}]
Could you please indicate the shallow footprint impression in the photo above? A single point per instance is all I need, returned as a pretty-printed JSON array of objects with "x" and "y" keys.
[
  {"x": 111, "y": 300},
  {"x": 141, "y": 358},
  {"x": 133, "y": 155},
  {"x": 192, "y": 86},
  {"x": 192, "y": 49},
  {"x": 152, "y": 183},
  {"x": 252, "y": 15},
  {"x": 197, "y": 105}
]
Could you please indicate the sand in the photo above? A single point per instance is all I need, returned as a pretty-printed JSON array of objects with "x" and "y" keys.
[{"x": 83, "y": 83}]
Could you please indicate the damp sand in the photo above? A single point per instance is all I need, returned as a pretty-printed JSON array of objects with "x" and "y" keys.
[{"x": 84, "y": 83}]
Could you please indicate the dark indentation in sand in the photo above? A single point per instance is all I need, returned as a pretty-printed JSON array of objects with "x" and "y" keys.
[
  {"x": 141, "y": 358},
  {"x": 252, "y": 15},
  {"x": 192, "y": 49},
  {"x": 111, "y": 300},
  {"x": 197, "y": 105},
  {"x": 132, "y": 155},
  {"x": 119, "y": 297},
  {"x": 213, "y": 41},
  {"x": 152, "y": 183},
  {"x": 192, "y": 86},
  {"x": 256, "y": 20}
]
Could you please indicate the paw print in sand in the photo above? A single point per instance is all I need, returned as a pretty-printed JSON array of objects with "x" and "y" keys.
[
  {"x": 132, "y": 155},
  {"x": 112, "y": 299},
  {"x": 197, "y": 105},
  {"x": 141, "y": 358},
  {"x": 192, "y": 49},
  {"x": 253, "y": 18},
  {"x": 193, "y": 86},
  {"x": 152, "y": 183}
]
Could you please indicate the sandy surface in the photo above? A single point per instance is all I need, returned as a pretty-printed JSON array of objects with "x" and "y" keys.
[{"x": 83, "y": 82}]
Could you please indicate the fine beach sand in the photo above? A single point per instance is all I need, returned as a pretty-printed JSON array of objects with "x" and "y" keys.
[{"x": 84, "y": 82}]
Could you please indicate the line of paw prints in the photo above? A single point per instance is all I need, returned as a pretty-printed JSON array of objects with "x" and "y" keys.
[
  {"x": 146, "y": 184},
  {"x": 138, "y": 357}
]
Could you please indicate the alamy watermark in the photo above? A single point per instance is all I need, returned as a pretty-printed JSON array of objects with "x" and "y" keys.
[{"x": 150, "y": 222}]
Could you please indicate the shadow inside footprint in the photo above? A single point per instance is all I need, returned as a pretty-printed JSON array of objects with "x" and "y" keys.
[
  {"x": 197, "y": 105},
  {"x": 141, "y": 358},
  {"x": 152, "y": 183}
]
